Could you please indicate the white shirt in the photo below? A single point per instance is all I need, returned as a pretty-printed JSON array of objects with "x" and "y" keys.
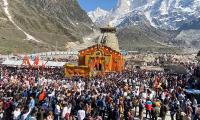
[
  {"x": 16, "y": 114},
  {"x": 65, "y": 111},
  {"x": 52, "y": 94},
  {"x": 194, "y": 103},
  {"x": 125, "y": 94},
  {"x": 57, "y": 110},
  {"x": 81, "y": 114},
  {"x": 144, "y": 95},
  {"x": 68, "y": 86}
]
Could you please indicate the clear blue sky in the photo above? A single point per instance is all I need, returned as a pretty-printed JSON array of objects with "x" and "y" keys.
[{"x": 89, "y": 5}]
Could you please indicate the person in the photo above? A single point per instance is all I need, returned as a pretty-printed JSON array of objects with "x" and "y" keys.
[
  {"x": 81, "y": 114},
  {"x": 33, "y": 116},
  {"x": 1, "y": 113},
  {"x": 121, "y": 108},
  {"x": 135, "y": 104},
  {"x": 148, "y": 106},
  {"x": 141, "y": 109},
  {"x": 16, "y": 113},
  {"x": 194, "y": 105},
  {"x": 25, "y": 113},
  {"x": 116, "y": 114},
  {"x": 155, "y": 112},
  {"x": 82, "y": 98},
  {"x": 41, "y": 96},
  {"x": 66, "y": 111},
  {"x": 188, "y": 111},
  {"x": 32, "y": 103},
  {"x": 40, "y": 114},
  {"x": 109, "y": 108},
  {"x": 163, "y": 111},
  {"x": 179, "y": 114},
  {"x": 181, "y": 99},
  {"x": 88, "y": 109},
  {"x": 57, "y": 112},
  {"x": 50, "y": 116},
  {"x": 173, "y": 108},
  {"x": 197, "y": 113}
]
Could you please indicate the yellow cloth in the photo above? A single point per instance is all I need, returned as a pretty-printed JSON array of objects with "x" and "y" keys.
[{"x": 157, "y": 103}]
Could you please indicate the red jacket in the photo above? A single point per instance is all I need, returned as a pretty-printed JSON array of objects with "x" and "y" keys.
[{"x": 148, "y": 105}]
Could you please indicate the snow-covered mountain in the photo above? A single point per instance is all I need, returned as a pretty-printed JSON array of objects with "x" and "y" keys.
[
  {"x": 123, "y": 6},
  {"x": 98, "y": 13},
  {"x": 172, "y": 14},
  {"x": 163, "y": 22},
  {"x": 163, "y": 14}
]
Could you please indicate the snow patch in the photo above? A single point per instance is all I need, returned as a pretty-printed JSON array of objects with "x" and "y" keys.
[
  {"x": 149, "y": 18},
  {"x": 164, "y": 14},
  {"x": 164, "y": 8},
  {"x": 98, "y": 13},
  {"x": 5, "y": 7}
]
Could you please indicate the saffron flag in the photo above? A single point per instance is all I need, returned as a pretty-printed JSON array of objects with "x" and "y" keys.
[
  {"x": 26, "y": 61},
  {"x": 41, "y": 96}
]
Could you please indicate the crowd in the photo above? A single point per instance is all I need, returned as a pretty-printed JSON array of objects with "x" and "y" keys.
[{"x": 27, "y": 94}]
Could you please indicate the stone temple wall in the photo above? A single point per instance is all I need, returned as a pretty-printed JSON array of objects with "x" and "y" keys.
[{"x": 111, "y": 41}]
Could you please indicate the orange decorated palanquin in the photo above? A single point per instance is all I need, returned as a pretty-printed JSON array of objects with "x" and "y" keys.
[{"x": 97, "y": 59}]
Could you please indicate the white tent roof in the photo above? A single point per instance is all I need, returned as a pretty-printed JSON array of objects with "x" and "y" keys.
[
  {"x": 54, "y": 64},
  {"x": 9, "y": 62},
  {"x": 12, "y": 62}
]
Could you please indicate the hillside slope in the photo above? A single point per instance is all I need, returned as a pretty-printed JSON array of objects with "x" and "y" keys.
[{"x": 52, "y": 23}]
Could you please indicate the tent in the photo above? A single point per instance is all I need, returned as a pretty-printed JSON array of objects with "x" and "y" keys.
[
  {"x": 9, "y": 62},
  {"x": 54, "y": 64},
  {"x": 12, "y": 62}
]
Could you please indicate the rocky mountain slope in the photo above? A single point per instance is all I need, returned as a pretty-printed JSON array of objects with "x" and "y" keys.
[
  {"x": 173, "y": 23},
  {"x": 41, "y": 25}
]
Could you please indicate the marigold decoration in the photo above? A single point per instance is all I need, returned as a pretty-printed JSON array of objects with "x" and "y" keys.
[{"x": 96, "y": 60}]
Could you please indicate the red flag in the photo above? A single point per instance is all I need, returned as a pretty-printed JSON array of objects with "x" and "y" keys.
[
  {"x": 36, "y": 61},
  {"x": 43, "y": 65}
]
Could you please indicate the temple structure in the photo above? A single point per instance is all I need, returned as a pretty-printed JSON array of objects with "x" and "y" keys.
[
  {"x": 100, "y": 58},
  {"x": 109, "y": 38}
]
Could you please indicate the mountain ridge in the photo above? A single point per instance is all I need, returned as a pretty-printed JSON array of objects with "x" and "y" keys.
[
  {"x": 54, "y": 23},
  {"x": 171, "y": 19}
]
